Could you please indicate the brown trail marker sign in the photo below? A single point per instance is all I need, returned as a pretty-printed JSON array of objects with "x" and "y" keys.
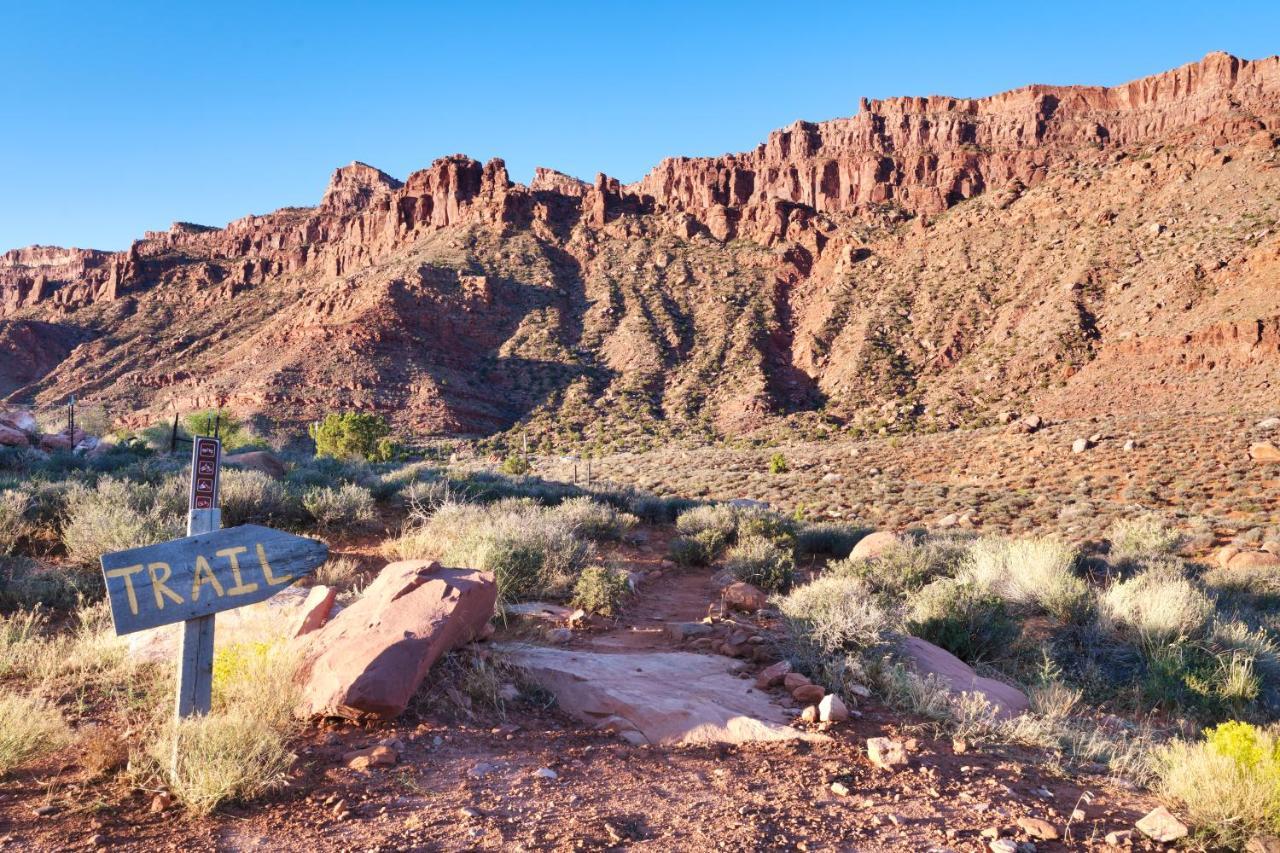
[{"x": 189, "y": 580}]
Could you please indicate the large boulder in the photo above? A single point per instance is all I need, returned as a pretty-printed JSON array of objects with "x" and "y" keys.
[
  {"x": 958, "y": 677},
  {"x": 12, "y": 437},
  {"x": 19, "y": 420},
  {"x": 262, "y": 461},
  {"x": 1253, "y": 560},
  {"x": 56, "y": 441},
  {"x": 656, "y": 697},
  {"x": 1264, "y": 452},
  {"x": 874, "y": 544},
  {"x": 368, "y": 661}
]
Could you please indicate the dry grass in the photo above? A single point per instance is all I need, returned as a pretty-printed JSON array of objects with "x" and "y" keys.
[
  {"x": 224, "y": 757},
  {"x": 30, "y": 727},
  {"x": 1032, "y": 572},
  {"x": 1157, "y": 607},
  {"x": 13, "y": 523},
  {"x": 348, "y": 507}
]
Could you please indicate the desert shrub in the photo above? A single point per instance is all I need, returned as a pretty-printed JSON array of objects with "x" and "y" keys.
[
  {"x": 600, "y": 590},
  {"x": 26, "y": 584},
  {"x": 755, "y": 523},
  {"x": 530, "y": 552},
  {"x": 1157, "y": 606},
  {"x": 346, "y": 507},
  {"x": 714, "y": 525},
  {"x": 906, "y": 567},
  {"x": 829, "y": 539},
  {"x": 515, "y": 465},
  {"x": 223, "y": 757},
  {"x": 972, "y": 624},
  {"x": 251, "y": 497},
  {"x": 657, "y": 510},
  {"x": 1033, "y": 572},
  {"x": 689, "y": 551},
  {"x": 1228, "y": 784},
  {"x": 759, "y": 561},
  {"x": 231, "y": 430},
  {"x": 29, "y": 728},
  {"x": 778, "y": 464},
  {"x": 1136, "y": 539},
  {"x": 350, "y": 435},
  {"x": 14, "y": 505},
  {"x": 834, "y": 613},
  {"x": 592, "y": 520},
  {"x": 119, "y": 514}
]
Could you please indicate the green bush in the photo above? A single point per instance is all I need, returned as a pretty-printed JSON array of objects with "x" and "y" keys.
[
  {"x": 350, "y": 435},
  {"x": 761, "y": 562},
  {"x": 600, "y": 590},
  {"x": 778, "y": 464},
  {"x": 956, "y": 615},
  {"x": 756, "y": 523},
  {"x": 712, "y": 525},
  {"x": 231, "y": 430},
  {"x": 515, "y": 465},
  {"x": 689, "y": 551},
  {"x": 1228, "y": 784},
  {"x": 346, "y": 507}
]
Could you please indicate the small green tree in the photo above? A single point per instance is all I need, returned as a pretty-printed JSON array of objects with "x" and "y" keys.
[
  {"x": 231, "y": 430},
  {"x": 515, "y": 465},
  {"x": 778, "y": 464},
  {"x": 348, "y": 435}
]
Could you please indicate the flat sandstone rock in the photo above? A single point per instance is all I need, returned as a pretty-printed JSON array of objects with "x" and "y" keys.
[{"x": 656, "y": 697}]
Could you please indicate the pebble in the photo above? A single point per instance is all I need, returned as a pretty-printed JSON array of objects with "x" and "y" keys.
[
  {"x": 468, "y": 811},
  {"x": 546, "y": 773},
  {"x": 840, "y": 789}
]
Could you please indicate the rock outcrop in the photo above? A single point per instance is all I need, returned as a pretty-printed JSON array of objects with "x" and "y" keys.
[
  {"x": 811, "y": 273},
  {"x": 368, "y": 661}
]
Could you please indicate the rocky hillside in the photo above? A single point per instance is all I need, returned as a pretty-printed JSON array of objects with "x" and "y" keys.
[{"x": 925, "y": 264}]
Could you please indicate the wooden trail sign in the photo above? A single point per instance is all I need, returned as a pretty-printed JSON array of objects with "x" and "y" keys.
[
  {"x": 200, "y": 575},
  {"x": 189, "y": 580}
]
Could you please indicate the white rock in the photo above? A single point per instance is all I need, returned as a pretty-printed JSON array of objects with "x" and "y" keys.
[{"x": 832, "y": 710}]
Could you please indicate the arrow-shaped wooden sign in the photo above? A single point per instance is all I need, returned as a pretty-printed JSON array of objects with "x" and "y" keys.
[{"x": 203, "y": 574}]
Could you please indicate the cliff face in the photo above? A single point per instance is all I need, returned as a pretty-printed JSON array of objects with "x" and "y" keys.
[
  {"x": 833, "y": 267},
  {"x": 927, "y": 154}
]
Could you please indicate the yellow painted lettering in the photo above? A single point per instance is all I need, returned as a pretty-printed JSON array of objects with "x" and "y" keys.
[
  {"x": 127, "y": 573},
  {"x": 204, "y": 575},
  {"x": 160, "y": 573},
  {"x": 241, "y": 588},
  {"x": 269, "y": 575}
]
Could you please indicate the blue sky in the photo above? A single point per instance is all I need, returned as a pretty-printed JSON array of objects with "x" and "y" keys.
[{"x": 122, "y": 117}]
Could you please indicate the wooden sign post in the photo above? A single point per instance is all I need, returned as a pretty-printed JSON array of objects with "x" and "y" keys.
[{"x": 189, "y": 580}]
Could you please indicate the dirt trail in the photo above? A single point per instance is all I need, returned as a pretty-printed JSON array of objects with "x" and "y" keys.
[{"x": 477, "y": 779}]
